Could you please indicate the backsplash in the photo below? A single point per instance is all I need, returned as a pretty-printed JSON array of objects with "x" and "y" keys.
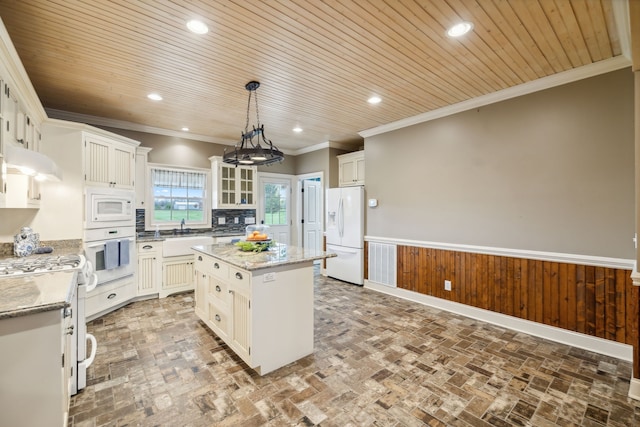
[{"x": 229, "y": 215}]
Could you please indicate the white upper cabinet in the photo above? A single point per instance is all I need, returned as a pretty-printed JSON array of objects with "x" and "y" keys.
[
  {"x": 9, "y": 114},
  {"x": 109, "y": 162},
  {"x": 351, "y": 169},
  {"x": 21, "y": 117},
  {"x": 233, "y": 186},
  {"x": 142, "y": 157},
  {"x": 19, "y": 130}
]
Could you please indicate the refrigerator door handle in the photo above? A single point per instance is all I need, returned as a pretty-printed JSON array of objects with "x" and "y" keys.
[{"x": 341, "y": 218}]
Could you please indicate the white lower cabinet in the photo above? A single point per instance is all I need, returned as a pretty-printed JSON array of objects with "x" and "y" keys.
[
  {"x": 177, "y": 275},
  {"x": 35, "y": 370},
  {"x": 149, "y": 267},
  {"x": 265, "y": 316}
]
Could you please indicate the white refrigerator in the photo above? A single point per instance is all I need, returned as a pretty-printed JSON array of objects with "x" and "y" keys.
[{"x": 345, "y": 233}]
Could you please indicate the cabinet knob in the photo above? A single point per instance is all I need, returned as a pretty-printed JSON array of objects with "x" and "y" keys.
[
  {"x": 199, "y": 258},
  {"x": 238, "y": 276},
  {"x": 70, "y": 330},
  {"x": 217, "y": 317},
  {"x": 218, "y": 289},
  {"x": 216, "y": 265}
]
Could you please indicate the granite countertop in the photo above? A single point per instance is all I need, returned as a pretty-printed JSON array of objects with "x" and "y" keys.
[
  {"x": 34, "y": 293},
  {"x": 149, "y": 236},
  {"x": 276, "y": 256}
]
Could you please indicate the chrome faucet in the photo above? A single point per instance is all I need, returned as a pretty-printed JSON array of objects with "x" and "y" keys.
[{"x": 182, "y": 225}]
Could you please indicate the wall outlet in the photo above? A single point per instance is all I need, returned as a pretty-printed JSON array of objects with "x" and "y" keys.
[
  {"x": 222, "y": 220},
  {"x": 236, "y": 220},
  {"x": 250, "y": 220},
  {"x": 269, "y": 277},
  {"x": 447, "y": 285}
]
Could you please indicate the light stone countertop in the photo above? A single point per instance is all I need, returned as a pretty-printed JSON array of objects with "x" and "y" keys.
[
  {"x": 34, "y": 293},
  {"x": 279, "y": 255},
  {"x": 149, "y": 236}
]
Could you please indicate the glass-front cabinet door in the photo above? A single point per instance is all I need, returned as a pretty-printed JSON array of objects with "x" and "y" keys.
[
  {"x": 234, "y": 186},
  {"x": 227, "y": 185},
  {"x": 247, "y": 177}
]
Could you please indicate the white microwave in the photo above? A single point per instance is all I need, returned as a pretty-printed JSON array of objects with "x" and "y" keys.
[{"x": 108, "y": 207}]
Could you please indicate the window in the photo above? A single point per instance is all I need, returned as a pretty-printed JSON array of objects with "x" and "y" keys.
[
  {"x": 179, "y": 194},
  {"x": 275, "y": 204}
]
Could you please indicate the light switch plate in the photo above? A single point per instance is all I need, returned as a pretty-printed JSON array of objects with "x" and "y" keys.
[
  {"x": 222, "y": 220},
  {"x": 250, "y": 220}
]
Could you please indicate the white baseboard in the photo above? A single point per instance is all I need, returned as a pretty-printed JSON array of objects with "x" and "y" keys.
[
  {"x": 563, "y": 336},
  {"x": 634, "y": 389}
]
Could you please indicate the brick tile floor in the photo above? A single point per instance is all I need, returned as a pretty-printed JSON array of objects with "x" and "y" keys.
[{"x": 378, "y": 361}]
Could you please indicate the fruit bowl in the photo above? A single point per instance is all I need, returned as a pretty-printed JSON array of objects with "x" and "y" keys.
[{"x": 257, "y": 233}]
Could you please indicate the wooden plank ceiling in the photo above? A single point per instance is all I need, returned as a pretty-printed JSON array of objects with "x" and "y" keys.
[{"x": 318, "y": 61}]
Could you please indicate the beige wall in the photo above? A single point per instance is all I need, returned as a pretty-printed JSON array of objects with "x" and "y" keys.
[
  {"x": 314, "y": 161},
  {"x": 551, "y": 171}
]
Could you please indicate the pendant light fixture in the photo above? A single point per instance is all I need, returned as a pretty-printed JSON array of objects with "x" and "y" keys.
[{"x": 250, "y": 151}]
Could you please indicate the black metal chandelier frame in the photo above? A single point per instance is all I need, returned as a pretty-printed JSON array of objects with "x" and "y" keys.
[{"x": 248, "y": 151}]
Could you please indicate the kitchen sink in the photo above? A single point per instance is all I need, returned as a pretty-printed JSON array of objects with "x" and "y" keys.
[{"x": 177, "y": 246}]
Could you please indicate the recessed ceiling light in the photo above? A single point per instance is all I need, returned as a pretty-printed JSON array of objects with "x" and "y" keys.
[
  {"x": 185, "y": 129},
  {"x": 374, "y": 100},
  {"x": 460, "y": 29},
  {"x": 297, "y": 129},
  {"x": 154, "y": 97},
  {"x": 197, "y": 27}
]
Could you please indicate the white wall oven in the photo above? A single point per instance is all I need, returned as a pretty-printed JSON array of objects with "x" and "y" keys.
[
  {"x": 109, "y": 244},
  {"x": 109, "y": 207},
  {"x": 111, "y": 251}
]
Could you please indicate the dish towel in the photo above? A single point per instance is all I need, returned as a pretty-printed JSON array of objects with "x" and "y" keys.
[
  {"x": 111, "y": 255},
  {"x": 124, "y": 252}
]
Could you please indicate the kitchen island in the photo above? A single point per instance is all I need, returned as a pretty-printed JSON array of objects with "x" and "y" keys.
[{"x": 260, "y": 304}]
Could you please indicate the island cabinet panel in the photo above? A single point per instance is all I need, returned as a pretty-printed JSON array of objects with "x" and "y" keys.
[
  {"x": 597, "y": 301},
  {"x": 264, "y": 315}
]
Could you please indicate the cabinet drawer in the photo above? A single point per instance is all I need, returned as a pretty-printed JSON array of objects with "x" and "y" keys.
[
  {"x": 239, "y": 279},
  {"x": 212, "y": 266},
  {"x": 218, "y": 320},
  {"x": 110, "y": 295},
  {"x": 149, "y": 247},
  {"x": 218, "y": 290}
]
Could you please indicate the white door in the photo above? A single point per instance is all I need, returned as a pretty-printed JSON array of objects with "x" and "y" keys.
[
  {"x": 274, "y": 207},
  {"x": 312, "y": 215}
]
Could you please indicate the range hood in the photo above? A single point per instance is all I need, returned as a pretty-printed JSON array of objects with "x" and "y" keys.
[{"x": 31, "y": 162}]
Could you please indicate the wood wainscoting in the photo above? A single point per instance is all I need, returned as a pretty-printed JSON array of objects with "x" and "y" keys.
[{"x": 597, "y": 301}]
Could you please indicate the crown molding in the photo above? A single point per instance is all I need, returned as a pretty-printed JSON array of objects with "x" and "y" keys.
[
  {"x": 136, "y": 127},
  {"x": 623, "y": 24},
  {"x": 122, "y": 124},
  {"x": 327, "y": 144},
  {"x": 554, "y": 80}
]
